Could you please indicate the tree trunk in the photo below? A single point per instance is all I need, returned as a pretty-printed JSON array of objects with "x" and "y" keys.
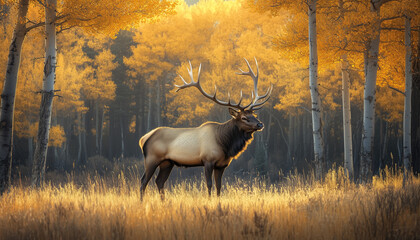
[
  {"x": 101, "y": 131},
  {"x": 313, "y": 85},
  {"x": 149, "y": 111},
  {"x": 8, "y": 97},
  {"x": 110, "y": 135},
  {"x": 415, "y": 111},
  {"x": 84, "y": 145},
  {"x": 122, "y": 138},
  {"x": 30, "y": 150},
  {"x": 371, "y": 69},
  {"x": 348, "y": 145},
  {"x": 79, "y": 152},
  {"x": 158, "y": 105},
  {"x": 40, "y": 157},
  {"x": 290, "y": 141},
  {"x": 407, "y": 97},
  {"x": 267, "y": 140},
  {"x": 56, "y": 162},
  {"x": 384, "y": 146},
  {"x": 96, "y": 128}
]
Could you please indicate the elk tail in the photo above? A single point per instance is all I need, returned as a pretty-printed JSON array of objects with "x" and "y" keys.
[{"x": 143, "y": 141}]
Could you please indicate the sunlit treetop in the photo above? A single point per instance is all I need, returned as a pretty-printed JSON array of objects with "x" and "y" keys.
[
  {"x": 105, "y": 16},
  {"x": 111, "y": 16}
]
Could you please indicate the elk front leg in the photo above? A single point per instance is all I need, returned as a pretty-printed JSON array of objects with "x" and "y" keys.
[
  {"x": 208, "y": 170},
  {"x": 218, "y": 172}
]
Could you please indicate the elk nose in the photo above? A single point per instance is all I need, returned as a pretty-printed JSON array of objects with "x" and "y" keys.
[{"x": 260, "y": 125}]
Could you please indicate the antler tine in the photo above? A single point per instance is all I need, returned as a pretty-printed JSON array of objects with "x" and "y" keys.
[
  {"x": 240, "y": 98},
  {"x": 190, "y": 72},
  {"x": 256, "y": 78},
  {"x": 181, "y": 86},
  {"x": 267, "y": 95},
  {"x": 252, "y": 100},
  {"x": 250, "y": 71},
  {"x": 252, "y": 75},
  {"x": 254, "y": 105},
  {"x": 199, "y": 72},
  {"x": 256, "y": 64}
]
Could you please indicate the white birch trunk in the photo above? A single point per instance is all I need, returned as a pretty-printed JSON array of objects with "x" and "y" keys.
[
  {"x": 40, "y": 157},
  {"x": 407, "y": 98},
  {"x": 348, "y": 145},
  {"x": 8, "y": 96},
  {"x": 313, "y": 85},
  {"x": 371, "y": 69},
  {"x": 368, "y": 131}
]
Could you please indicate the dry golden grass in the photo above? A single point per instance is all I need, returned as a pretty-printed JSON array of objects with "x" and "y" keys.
[{"x": 296, "y": 209}]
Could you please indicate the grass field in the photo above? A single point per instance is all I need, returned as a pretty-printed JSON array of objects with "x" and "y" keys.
[{"x": 298, "y": 208}]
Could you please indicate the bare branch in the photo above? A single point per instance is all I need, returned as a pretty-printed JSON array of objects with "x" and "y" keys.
[
  {"x": 304, "y": 108},
  {"x": 395, "y": 89},
  {"x": 399, "y": 29},
  {"x": 391, "y": 18},
  {"x": 34, "y": 26}
]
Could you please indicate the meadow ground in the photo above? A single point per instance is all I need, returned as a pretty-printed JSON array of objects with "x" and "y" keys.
[{"x": 298, "y": 208}]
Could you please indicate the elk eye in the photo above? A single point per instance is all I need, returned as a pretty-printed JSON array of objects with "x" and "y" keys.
[{"x": 245, "y": 119}]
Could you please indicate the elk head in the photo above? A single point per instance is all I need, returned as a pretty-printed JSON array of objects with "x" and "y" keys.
[{"x": 243, "y": 115}]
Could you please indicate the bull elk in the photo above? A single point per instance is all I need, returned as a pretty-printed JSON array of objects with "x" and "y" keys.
[{"x": 212, "y": 145}]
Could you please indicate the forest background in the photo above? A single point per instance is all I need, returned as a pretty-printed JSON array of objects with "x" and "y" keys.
[{"x": 113, "y": 90}]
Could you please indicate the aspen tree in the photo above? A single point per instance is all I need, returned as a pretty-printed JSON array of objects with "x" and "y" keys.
[
  {"x": 316, "y": 109},
  {"x": 8, "y": 96}
]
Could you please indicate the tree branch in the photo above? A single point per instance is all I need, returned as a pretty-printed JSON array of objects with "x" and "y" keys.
[
  {"x": 392, "y": 18},
  {"x": 34, "y": 26},
  {"x": 304, "y": 108},
  {"x": 399, "y": 29},
  {"x": 62, "y": 29},
  {"x": 395, "y": 89}
]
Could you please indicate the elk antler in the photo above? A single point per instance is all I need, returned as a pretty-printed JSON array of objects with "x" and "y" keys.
[
  {"x": 255, "y": 105},
  {"x": 212, "y": 97}
]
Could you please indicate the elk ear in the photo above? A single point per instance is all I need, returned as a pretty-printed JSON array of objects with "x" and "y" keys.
[{"x": 233, "y": 113}]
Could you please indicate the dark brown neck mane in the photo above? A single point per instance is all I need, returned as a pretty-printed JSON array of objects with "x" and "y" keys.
[{"x": 232, "y": 140}]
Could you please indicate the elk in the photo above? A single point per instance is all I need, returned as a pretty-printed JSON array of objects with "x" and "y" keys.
[{"x": 212, "y": 145}]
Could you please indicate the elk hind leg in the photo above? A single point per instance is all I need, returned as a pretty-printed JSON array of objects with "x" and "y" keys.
[
  {"x": 149, "y": 169},
  {"x": 165, "y": 169}
]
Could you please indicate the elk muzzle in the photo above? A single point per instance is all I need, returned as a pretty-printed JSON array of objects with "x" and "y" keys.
[{"x": 259, "y": 126}]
